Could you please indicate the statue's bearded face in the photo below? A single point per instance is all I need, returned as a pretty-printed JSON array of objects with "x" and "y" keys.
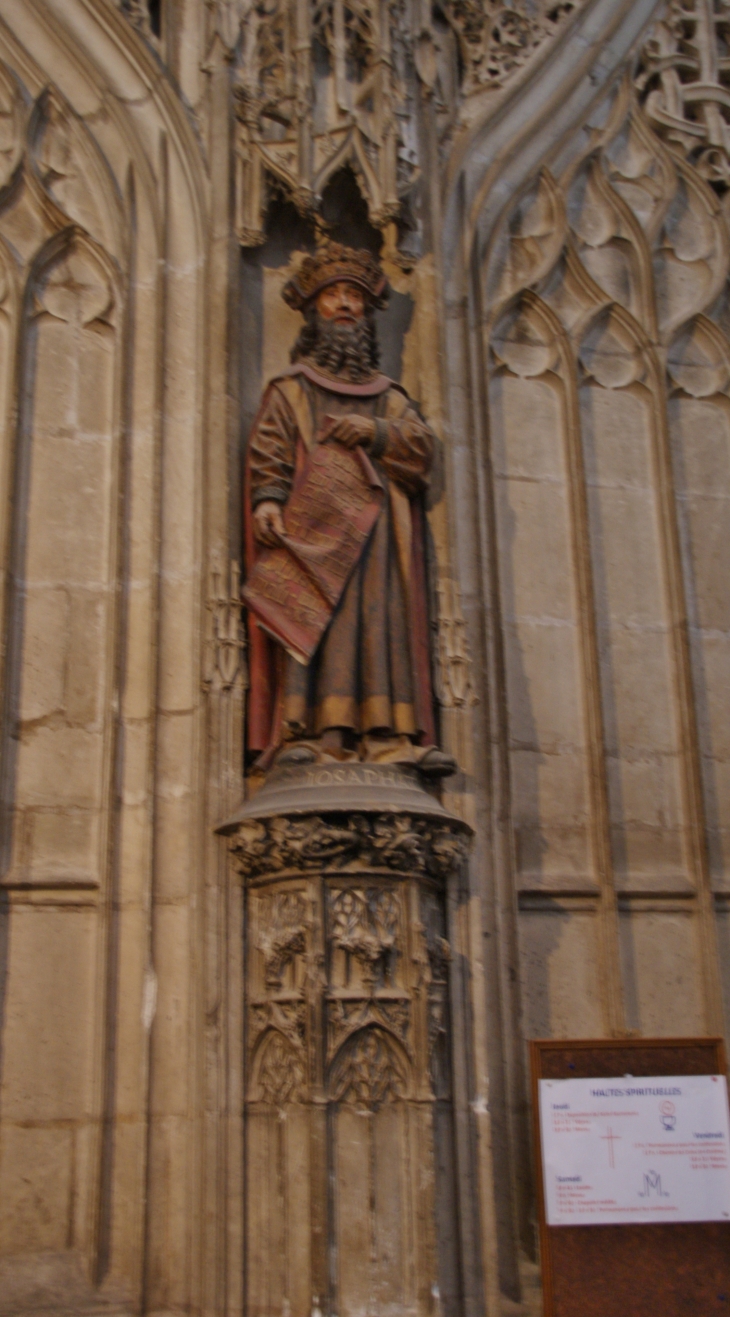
[
  {"x": 339, "y": 335},
  {"x": 342, "y": 302}
]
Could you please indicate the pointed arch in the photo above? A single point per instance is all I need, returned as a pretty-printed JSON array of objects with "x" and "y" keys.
[
  {"x": 278, "y": 1070},
  {"x": 70, "y": 168},
  {"x": 350, "y": 152},
  {"x": 62, "y": 566},
  {"x": 371, "y": 1068}
]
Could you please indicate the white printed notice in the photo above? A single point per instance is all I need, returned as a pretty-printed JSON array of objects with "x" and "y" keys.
[{"x": 635, "y": 1150}]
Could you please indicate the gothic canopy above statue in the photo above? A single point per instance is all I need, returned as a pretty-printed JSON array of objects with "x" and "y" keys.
[{"x": 332, "y": 84}]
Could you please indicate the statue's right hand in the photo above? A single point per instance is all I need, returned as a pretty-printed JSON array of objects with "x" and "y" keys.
[{"x": 268, "y": 523}]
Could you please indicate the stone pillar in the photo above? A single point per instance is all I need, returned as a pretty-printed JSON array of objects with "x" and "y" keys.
[{"x": 345, "y": 872}]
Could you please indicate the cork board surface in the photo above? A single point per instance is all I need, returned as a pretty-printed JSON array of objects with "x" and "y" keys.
[{"x": 630, "y": 1271}]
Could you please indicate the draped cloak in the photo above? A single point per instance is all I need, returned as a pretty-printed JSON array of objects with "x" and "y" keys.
[{"x": 371, "y": 671}]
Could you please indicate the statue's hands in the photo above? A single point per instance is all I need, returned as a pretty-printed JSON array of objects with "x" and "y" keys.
[
  {"x": 268, "y": 523},
  {"x": 349, "y": 430}
]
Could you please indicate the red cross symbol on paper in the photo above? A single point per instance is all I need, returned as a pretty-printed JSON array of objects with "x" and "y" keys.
[{"x": 611, "y": 1138}]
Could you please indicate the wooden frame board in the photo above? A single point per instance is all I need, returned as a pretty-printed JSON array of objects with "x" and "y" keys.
[{"x": 630, "y": 1270}]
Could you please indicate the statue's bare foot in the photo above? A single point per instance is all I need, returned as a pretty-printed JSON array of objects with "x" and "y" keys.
[{"x": 436, "y": 763}]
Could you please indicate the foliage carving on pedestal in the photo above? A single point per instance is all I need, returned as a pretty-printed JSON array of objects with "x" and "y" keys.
[{"x": 359, "y": 841}]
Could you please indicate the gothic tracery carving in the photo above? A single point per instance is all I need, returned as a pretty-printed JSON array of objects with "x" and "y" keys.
[
  {"x": 138, "y": 14},
  {"x": 288, "y": 1017},
  {"x": 282, "y": 932},
  {"x": 281, "y": 1071},
  {"x": 345, "y": 1017},
  {"x": 452, "y": 670},
  {"x": 298, "y": 144},
  {"x": 589, "y": 241},
  {"x": 226, "y": 645},
  {"x": 369, "y": 1070},
  {"x": 616, "y": 290},
  {"x": 62, "y": 175},
  {"x": 437, "y": 960},
  {"x": 12, "y": 117},
  {"x": 62, "y": 248},
  {"x": 497, "y": 39},
  {"x": 336, "y": 82},
  {"x": 353, "y": 23},
  {"x": 685, "y": 84},
  {"x": 365, "y": 923}
]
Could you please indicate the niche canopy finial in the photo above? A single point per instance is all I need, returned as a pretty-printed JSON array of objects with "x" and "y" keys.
[{"x": 331, "y": 264}]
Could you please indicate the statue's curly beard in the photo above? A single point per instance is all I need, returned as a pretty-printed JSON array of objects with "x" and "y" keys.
[{"x": 347, "y": 350}]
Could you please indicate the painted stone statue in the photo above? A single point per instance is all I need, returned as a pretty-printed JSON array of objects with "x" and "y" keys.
[{"x": 337, "y": 466}]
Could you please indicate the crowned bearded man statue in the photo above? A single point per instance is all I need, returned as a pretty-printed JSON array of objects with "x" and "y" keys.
[{"x": 337, "y": 467}]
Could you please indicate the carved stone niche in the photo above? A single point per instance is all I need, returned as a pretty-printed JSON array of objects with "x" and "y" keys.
[{"x": 347, "y": 1092}]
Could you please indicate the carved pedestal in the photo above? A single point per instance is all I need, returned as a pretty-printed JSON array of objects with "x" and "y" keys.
[{"x": 348, "y": 1122}]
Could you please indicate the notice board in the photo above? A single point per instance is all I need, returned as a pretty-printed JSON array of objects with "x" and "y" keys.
[{"x": 630, "y": 1270}]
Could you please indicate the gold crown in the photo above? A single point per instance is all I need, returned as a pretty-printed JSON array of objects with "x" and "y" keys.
[{"x": 334, "y": 263}]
